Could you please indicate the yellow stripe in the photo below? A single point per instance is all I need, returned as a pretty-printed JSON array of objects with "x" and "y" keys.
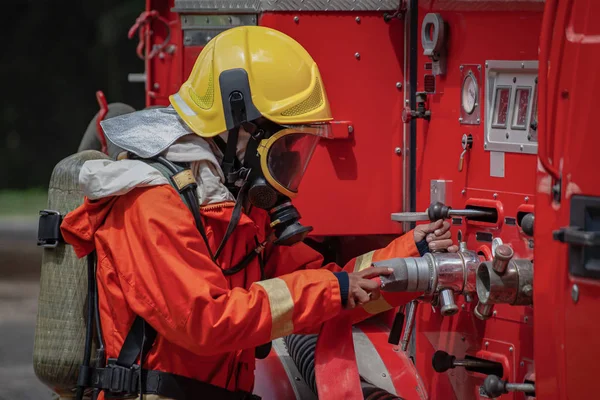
[
  {"x": 363, "y": 261},
  {"x": 282, "y": 307},
  {"x": 378, "y": 306}
]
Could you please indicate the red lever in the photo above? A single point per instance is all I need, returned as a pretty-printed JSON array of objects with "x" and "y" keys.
[
  {"x": 142, "y": 27},
  {"x": 103, "y": 111}
]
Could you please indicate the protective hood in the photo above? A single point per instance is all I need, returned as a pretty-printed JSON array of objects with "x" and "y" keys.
[{"x": 148, "y": 133}]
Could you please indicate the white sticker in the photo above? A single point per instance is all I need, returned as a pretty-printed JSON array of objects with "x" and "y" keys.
[{"x": 497, "y": 164}]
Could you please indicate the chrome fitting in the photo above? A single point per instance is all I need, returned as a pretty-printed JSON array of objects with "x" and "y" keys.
[{"x": 514, "y": 286}]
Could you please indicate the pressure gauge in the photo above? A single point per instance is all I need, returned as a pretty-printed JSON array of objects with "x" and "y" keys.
[{"x": 470, "y": 93}]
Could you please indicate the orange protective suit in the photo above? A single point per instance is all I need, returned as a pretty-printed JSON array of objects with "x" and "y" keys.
[{"x": 153, "y": 262}]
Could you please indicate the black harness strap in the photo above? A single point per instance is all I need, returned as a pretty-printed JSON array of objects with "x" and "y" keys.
[
  {"x": 132, "y": 347},
  {"x": 120, "y": 382},
  {"x": 230, "y": 160}
]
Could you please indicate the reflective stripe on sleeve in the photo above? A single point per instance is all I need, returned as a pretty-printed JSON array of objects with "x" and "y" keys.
[
  {"x": 363, "y": 261},
  {"x": 282, "y": 306}
]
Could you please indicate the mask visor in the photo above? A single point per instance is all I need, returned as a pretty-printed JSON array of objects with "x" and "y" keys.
[{"x": 285, "y": 156}]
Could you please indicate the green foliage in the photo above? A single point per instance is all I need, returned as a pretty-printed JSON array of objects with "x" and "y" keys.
[
  {"x": 22, "y": 203},
  {"x": 59, "y": 54}
]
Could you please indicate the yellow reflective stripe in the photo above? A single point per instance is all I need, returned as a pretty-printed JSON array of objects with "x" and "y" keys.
[
  {"x": 378, "y": 306},
  {"x": 282, "y": 307},
  {"x": 363, "y": 261}
]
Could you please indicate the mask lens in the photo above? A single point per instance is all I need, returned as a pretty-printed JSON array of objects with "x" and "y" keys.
[{"x": 289, "y": 156}]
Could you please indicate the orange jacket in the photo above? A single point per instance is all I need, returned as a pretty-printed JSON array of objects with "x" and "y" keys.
[{"x": 153, "y": 262}]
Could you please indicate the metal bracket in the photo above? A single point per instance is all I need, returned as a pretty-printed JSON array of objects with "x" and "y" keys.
[{"x": 433, "y": 40}]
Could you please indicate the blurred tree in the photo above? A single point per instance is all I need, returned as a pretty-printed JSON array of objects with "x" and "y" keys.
[{"x": 55, "y": 55}]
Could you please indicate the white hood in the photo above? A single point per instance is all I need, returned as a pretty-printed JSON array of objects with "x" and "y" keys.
[
  {"x": 157, "y": 131},
  {"x": 105, "y": 178}
]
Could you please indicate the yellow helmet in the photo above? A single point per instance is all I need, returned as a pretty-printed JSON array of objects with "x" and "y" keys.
[{"x": 275, "y": 75}]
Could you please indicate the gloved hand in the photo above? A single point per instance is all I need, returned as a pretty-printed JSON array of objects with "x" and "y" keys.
[{"x": 437, "y": 234}]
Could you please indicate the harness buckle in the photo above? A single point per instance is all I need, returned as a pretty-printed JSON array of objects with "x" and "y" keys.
[
  {"x": 49, "y": 235},
  {"x": 120, "y": 381}
]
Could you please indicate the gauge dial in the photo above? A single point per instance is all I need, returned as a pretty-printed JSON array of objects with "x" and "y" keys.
[{"x": 469, "y": 93}]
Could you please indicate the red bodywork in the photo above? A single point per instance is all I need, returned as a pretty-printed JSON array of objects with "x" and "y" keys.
[{"x": 355, "y": 182}]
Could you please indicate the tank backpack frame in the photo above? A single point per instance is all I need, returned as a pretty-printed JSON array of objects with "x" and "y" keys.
[{"x": 123, "y": 377}]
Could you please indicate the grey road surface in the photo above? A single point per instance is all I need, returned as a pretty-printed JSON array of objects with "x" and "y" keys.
[{"x": 19, "y": 288}]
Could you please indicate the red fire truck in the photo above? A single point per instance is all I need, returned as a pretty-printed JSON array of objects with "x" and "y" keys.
[{"x": 480, "y": 109}]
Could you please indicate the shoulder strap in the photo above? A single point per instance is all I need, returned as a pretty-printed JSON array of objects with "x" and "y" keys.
[
  {"x": 141, "y": 336},
  {"x": 183, "y": 181}
]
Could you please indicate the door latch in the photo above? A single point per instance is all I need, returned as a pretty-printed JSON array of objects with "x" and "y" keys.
[{"x": 467, "y": 144}]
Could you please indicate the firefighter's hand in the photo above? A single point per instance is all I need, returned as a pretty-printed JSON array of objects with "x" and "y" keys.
[
  {"x": 437, "y": 234},
  {"x": 361, "y": 288}
]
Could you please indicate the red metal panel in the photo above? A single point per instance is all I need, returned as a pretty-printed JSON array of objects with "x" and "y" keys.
[
  {"x": 566, "y": 344},
  {"x": 164, "y": 71},
  {"x": 353, "y": 185},
  {"x": 474, "y": 38}
]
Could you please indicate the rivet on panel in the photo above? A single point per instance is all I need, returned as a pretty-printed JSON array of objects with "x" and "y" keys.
[
  {"x": 514, "y": 79},
  {"x": 522, "y": 364},
  {"x": 526, "y": 319},
  {"x": 460, "y": 119},
  {"x": 575, "y": 293},
  {"x": 507, "y": 135},
  {"x": 495, "y": 196},
  {"x": 357, "y": 19},
  {"x": 398, "y": 85},
  {"x": 463, "y": 306},
  {"x": 384, "y": 375},
  {"x": 398, "y": 150},
  {"x": 487, "y": 344},
  {"x": 357, "y": 55},
  {"x": 296, "y": 19},
  {"x": 350, "y": 129},
  {"x": 156, "y": 86},
  {"x": 495, "y": 313},
  {"x": 463, "y": 192},
  {"x": 486, "y": 65},
  {"x": 521, "y": 147},
  {"x": 406, "y": 101},
  {"x": 485, "y": 146},
  {"x": 479, "y": 68},
  {"x": 478, "y": 120},
  {"x": 526, "y": 199},
  {"x": 511, "y": 349},
  {"x": 462, "y": 67},
  {"x": 522, "y": 65}
]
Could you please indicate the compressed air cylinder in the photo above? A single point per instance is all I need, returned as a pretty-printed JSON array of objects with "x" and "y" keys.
[{"x": 61, "y": 319}]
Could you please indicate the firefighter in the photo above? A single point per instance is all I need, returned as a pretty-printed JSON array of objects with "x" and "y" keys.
[{"x": 192, "y": 292}]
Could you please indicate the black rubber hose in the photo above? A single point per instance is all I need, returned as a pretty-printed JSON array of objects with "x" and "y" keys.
[
  {"x": 371, "y": 392},
  {"x": 89, "y": 329},
  {"x": 302, "y": 350}
]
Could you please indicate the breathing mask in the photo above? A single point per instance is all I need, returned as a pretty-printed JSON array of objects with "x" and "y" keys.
[{"x": 277, "y": 157}]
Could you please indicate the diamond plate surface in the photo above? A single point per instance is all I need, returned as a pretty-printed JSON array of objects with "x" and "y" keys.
[{"x": 284, "y": 5}]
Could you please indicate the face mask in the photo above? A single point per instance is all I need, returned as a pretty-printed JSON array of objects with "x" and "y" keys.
[{"x": 277, "y": 157}]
